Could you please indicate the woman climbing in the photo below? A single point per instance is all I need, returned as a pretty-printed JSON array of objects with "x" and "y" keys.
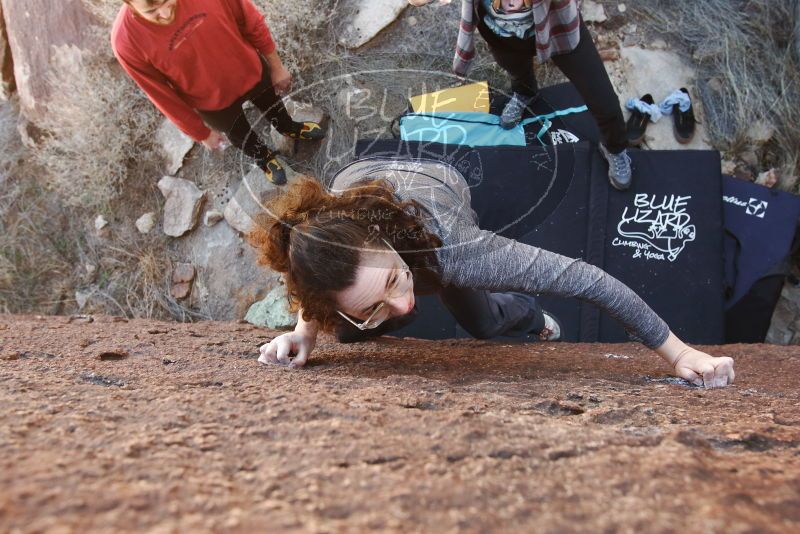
[{"x": 354, "y": 257}]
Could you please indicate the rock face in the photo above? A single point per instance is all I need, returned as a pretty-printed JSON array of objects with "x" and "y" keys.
[
  {"x": 182, "y": 208},
  {"x": 272, "y": 311},
  {"x": 35, "y": 28},
  {"x": 229, "y": 279},
  {"x": 364, "y": 20},
  {"x": 659, "y": 72},
  {"x": 7, "y": 84},
  {"x": 424, "y": 436},
  {"x": 175, "y": 145}
]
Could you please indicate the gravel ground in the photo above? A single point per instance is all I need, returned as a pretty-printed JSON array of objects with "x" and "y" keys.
[{"x": 115, "y": 425}]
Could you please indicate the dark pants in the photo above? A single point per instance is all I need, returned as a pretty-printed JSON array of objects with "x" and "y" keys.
[
  {"x": 232, "y": 122},
  {"x": 583, "y": 67},
  {"x": 481, "y": 313}
]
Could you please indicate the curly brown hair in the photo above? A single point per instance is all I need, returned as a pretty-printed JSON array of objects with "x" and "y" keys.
[{"x": 316, "y": 238}]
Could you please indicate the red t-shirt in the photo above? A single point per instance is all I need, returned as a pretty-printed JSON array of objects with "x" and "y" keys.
[{"x": 205, "y": 59}]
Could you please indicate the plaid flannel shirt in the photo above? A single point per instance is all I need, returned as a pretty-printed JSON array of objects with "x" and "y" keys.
[{"x": 557, "y": 31}]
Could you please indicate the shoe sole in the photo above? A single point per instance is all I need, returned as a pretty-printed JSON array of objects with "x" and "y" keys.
[{"x": 560, "y": 328}]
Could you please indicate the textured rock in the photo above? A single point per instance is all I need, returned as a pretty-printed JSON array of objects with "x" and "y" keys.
[
  {"x": 175, "y": 145},
  {"x": 7, "y": 84},
  {"x": 229, "y": 279},
  {"x": 364, "y": 20},
  {"x": 146, "y": 223},
  {"x": 183, "y": 272},
  {"x": 182, "y": 208},
  {"x": 189, "y": 431},
  {"x": 35, "y": 28},
  {"x": 768, "y": 178},
  {"x": 212, "y": 217},
  {"x": 272, "y": 311},
  {"x": 593, "y": 12}
]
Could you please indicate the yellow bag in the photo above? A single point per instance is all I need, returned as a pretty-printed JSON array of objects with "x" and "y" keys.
[{"x": 469, "y": 98}]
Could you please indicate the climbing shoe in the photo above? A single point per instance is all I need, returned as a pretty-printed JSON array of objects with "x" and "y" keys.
[
  {"x": 683, "y": 122},
  {"x": 273, "y": 170},
  {"x": 514, "y": 109},
  {"x": 638, "y": 121},
  {"x": 552, "y": 328},
  {"x": 619, "y": 168},
  {"x": 305, "y": 131}
]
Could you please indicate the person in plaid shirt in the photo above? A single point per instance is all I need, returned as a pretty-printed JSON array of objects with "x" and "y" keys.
[{"x": 519, "y": 30}]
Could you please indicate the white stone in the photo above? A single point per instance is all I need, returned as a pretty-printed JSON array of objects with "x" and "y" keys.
[
  {"x": 175, "y": 144},
  {"x": 182, "y": 206},
  {"x": 146, "y": 223},
  {"x": 593, "y": 12},
  {"x": 658, "y": 44},
  {"x": 100, "y": 222},
  {"x": 622, "y": 8},
  {"x": 640, "y": 68},
  {"x": 212, "y": 217},
  {"x": 366, "y": 19}
]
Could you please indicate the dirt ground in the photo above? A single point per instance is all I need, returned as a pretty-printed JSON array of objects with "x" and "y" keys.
[{"x": 117, "y": 425}]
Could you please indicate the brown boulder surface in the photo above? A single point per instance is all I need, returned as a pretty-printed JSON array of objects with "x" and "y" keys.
[{"x": 129, "y": 425}]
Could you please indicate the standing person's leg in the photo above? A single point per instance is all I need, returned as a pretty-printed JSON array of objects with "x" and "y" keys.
[
  {"x": 233, "y": 123},
  {"x": 586, "y": 71},
  {"x": 264, "y": 97},
  {"x": 515, "y": 56},
  {"x": 485, "y": 314}
]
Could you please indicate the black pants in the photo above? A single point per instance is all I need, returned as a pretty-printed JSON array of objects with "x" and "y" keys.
[
  {"x": 232, "y": 122},
  {"x": 481, "y": 313},
  {"x": 583, "y": 67}
]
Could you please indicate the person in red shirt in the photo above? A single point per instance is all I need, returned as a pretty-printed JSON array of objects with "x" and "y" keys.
[{"x": 198, "y": 61}]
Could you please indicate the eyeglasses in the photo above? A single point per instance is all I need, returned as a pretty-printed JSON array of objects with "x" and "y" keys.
[{"x": 401, "y": 286}]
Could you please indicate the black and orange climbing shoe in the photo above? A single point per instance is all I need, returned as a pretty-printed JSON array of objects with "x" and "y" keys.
[
  {"x": 273, "y": 170},
  {"x": 306, "y": 131}
]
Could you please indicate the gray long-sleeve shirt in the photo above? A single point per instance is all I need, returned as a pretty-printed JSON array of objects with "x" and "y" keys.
[{"x": 479, "y": 259}]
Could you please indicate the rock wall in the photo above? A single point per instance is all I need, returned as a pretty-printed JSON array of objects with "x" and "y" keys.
[{"x": 34, "y": 29}]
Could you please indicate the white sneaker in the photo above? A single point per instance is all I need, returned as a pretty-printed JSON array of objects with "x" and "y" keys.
[{"x": 552, "y": 328}]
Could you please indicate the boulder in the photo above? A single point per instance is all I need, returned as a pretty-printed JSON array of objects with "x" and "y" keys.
[
  {"x": 229, "y": 279},
  {"x": 175, "y": 144},
  {"x": 273, "y": 311},
  {"x": 364, "y": 20},
  {"x": 182, "y": 277},
  {"x": 146, "y": 223},
  {"x": 7, "y": 85},
  {"x": 250, "y": 199},
  {"x": 182, "y": 208},
  {"x": 593, "y": 12},
  {"x": 35, "y": 29}
]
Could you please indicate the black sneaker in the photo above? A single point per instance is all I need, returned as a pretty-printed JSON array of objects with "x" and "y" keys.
[
  {"x": 306, "y": 131},
  {"x": 273, "y": 170},
  {"x": 683, "y": 122},
  {"x": 638, "y": 121}
]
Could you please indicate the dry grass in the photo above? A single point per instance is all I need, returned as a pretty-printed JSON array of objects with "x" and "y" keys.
[
  {"x": 99, "y": 128},
  {"x": 748, "y": 64}
]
